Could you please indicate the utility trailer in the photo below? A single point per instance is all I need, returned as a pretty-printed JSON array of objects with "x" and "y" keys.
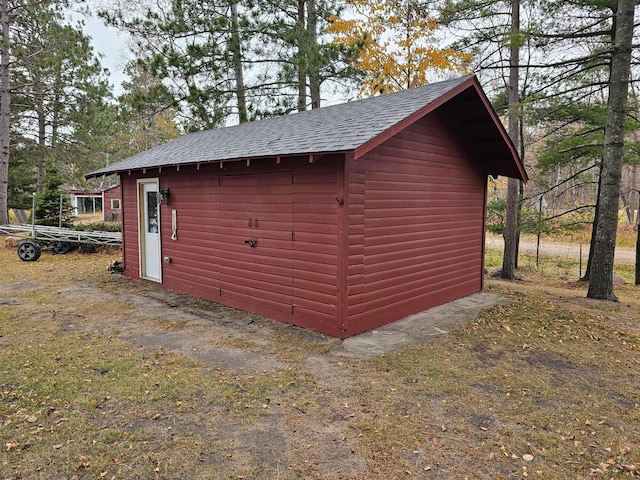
[{"x": 61, "y": 239}]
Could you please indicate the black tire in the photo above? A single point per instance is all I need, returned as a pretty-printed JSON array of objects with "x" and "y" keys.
[
  {"x": 29, "y": 251},
  {"x": 61, "y": 247}
]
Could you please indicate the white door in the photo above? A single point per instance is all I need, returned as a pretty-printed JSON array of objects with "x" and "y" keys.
[{"x": 149, "y": 228}]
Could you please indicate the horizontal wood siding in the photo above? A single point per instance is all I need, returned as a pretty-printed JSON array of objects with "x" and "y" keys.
[
  {"x": 194, "y": 266},
  {"x": 423, "y": 224},
  {"x": 291, "y": 274},
  {"x": 316, "y": 246},
  {"x": 110, "y": 214},
  {"x": 130, "y": 247},
  {"x": 256, "y": 207},
  {"x": 356, "y": 247}
]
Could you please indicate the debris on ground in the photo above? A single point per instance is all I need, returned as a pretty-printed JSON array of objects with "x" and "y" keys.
[{"x": 116, "y": 267}]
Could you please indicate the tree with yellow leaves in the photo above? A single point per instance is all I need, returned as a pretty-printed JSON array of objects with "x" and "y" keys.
[{"x": 395, "y": 41}]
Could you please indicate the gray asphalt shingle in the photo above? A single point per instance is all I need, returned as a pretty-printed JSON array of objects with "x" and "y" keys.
[{"x": 335, "y": 128}]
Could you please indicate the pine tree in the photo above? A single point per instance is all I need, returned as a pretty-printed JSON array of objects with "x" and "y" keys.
[
  {"x": 53, "y": 100},
  {"x": 601, "y": 276},
  {"x": 48, "y": 203}
]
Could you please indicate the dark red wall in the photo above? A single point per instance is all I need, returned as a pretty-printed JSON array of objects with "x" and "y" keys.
[
  {"x": 416, "y": 225},
  {"x": 343, "y": 246},
  {"x": 291, "y": 273},
  {"x": 109, "y": 214}
]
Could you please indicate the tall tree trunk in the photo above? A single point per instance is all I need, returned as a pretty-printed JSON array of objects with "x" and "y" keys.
[
  {"x": 626, "y": 204},
  {"x": 601, "y": 277},
  {"x": 236, "y": 52},
  {"x": 312, "y": 51},
  {"x": 511, "y": 219},
  {"x": 585, "y": 277},
  {"x": 637, "y": 279},
  {"x": 303, "y": 55},
  {"x": 5, "y": 112},
  {"x": 42, "y": 137}
]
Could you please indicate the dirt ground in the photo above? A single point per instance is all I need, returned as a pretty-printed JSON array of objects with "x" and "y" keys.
[
  {"x": 223, "y": 338},
  {"x": 316, "y": 430},
  {"x": 562, "y": 250},
  {"x": 163, "y": 323}
]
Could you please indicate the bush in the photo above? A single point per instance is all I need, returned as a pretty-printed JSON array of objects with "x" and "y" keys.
[{"x": 100, "y": 227}]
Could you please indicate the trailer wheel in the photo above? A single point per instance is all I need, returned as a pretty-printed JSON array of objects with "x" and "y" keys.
[
  {"x": 61, "y": 247},
  {"x": 29, "y": 251}
]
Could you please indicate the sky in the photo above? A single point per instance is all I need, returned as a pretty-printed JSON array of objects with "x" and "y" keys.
[{"x": 111, "y": 44}]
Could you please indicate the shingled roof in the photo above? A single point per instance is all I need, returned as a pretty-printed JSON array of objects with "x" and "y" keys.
[{"x": 354, "y": 126}]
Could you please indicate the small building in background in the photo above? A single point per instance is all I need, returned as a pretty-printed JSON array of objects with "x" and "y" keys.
[
  {"x": 112, "y": 202},
  {"x": 86, "y": 201}
]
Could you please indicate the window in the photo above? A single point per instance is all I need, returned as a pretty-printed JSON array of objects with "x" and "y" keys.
[
  {"x": 88, "y": 204},
  {"x": 152, "y": 212},
  {"x": 115, "y": 204}
]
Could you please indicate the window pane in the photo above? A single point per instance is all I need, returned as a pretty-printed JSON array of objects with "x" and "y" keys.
[{"x": 152, "y": 212}]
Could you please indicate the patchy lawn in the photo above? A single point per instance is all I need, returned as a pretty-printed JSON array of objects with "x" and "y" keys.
[{"x": 104, "y": 377}]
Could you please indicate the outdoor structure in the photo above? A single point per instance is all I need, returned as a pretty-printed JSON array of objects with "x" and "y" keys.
[
  {"x": 339, "y": 219},
  {"x": 112, "y": 201},
  {"x": 85, "y": 201}
]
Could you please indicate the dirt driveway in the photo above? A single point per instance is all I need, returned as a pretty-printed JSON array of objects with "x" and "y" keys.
[{"x": 562, "y": 250}]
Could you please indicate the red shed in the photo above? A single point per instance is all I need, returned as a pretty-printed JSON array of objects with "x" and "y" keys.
[
  {"x": 112, "y": 203},
  {"x": 339, "y": 219}
]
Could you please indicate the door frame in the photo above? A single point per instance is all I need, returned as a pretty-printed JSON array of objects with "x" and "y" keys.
[{"x": 142, "y": 253}]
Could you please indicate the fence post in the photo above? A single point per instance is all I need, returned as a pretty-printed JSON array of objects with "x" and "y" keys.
[
  {"x": 33, "y": 216},
  {"x": 60, "y": 215},
  {"x": 580, "y": 261}
]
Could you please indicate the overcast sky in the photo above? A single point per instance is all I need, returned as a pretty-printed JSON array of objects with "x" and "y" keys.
[{"x": 112, "y": 45}]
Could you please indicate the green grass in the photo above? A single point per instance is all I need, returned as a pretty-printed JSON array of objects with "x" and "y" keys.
[{"x": 548, "y": 373}]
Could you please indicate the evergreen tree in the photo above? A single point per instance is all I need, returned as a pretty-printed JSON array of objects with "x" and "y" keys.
[
  {"x": 146, "y": 117},
  {"x": 48, "y": 203},
  {"x": 193, "y": 45},
  {"x": 568, "y": 61},
  {"x": 62, "y": 93},
  {"x": 24, "y": 173},
  {"x": 220, "y": 58},
  {"x": 606, "y": 225},
  {"x": 54, "y": 98}
]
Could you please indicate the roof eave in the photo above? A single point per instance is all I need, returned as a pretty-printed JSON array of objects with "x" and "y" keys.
[
  {"x": 314, "y": 155},
  {"x": 503, "y": 133}
]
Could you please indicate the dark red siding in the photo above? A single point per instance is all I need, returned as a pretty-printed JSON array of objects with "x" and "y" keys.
[
  {"x": 316, "y": 235},
  {"x": 419, "y": 243},
  {"x": 290, "y": 275},
  {"x": 111, "y": 199},
  {"x": 194, "y": 195},
  {"x": 343, "y": 245},
  {"x": 256, "y": 225},
  {"x": 130, "y": 247}
]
